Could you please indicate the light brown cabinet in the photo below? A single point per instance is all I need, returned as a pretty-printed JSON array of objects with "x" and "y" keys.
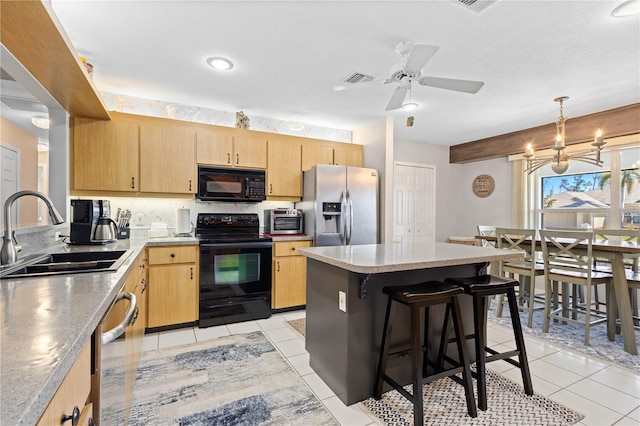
[
  {"x": 105, "y": 155},
  {"x": 284, "y": 175},
  {"x": 167, "y": 159},
  {"x": 225, "y": 149},
  {"x": 172, "y": 285},
  {"x": 73, "y": 392},
  {"x": 323, "y": 152},
  {"x": 289, "y": 274}
]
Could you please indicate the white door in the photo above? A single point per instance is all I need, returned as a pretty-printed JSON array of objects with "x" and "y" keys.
[
  {"x": 9, "y": 165},
  {"x": 413, "y": 202}
]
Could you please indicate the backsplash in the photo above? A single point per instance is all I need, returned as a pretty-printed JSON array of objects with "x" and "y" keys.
[
  {"x": 37, "y": 239},
  {"x": 145, "y": 211}
]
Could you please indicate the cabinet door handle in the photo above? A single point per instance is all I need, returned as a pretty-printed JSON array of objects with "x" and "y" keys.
[
  {"x": 191, "y": 272},
  {"x": 75, "y": 417},
  {"x": 135, "y": 316},
  {"x": 133, "y": 182},
  {"x": 278, "y": 265},
  {"x": 189, "y": 184},
  {"x": 237, "y": 158},
  {"x": 173, "y": 255},
  {"x": 228, "y": 158},
  {"x": 91, "y": 422},
  {"x": 144, "y": 285},
  {"x": 270, "y": 188}
]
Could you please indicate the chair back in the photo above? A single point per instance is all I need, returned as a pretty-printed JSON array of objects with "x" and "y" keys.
[
  {"x": 559, "y": 251},
  {"x": 489, "y": 231},
  {"x": 518, "y": 239}
]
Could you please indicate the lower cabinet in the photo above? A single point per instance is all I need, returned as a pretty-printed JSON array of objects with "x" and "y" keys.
[
  {"x": 289, "y": 274},
  {"x": 172, "y": 292},
  {"x": 73, "y": 392}
]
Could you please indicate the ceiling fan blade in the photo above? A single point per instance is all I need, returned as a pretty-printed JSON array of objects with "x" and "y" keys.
[
  {"x": 397, "y": 98},
  {"x": 467, "y": 86},
  {"x": 419, "y": 56},
  {"x": 346, "y": 86}
]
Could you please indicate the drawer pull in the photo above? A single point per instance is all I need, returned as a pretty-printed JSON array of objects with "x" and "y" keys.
[
  {"x": 278, "y": 264},
  {"x": 75, "y": 417},
  {"x": 189, "y": 184},
  {"x": 173, "y": 255},
  {"x": 293, "y": 249},
  {"x": 191, "y": 272},
  {"x": 133, "y": 183},
  {"x": 270, "y": 188},
  {"x": 228, "y": 158},
  {"x": 237, "y": 158}
]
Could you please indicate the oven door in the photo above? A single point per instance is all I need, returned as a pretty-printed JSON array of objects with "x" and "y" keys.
[{"x": 235, "y": 282}]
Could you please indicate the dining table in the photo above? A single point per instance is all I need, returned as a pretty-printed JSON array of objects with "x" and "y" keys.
[{"x": 615, "y": 250}]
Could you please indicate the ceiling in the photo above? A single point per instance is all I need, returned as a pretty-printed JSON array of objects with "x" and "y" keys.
[{"x": 288, "y": 55}]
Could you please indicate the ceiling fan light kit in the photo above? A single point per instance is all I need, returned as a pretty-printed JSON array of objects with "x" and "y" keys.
[
  {"x": 220, "y": 63},
  {"x": 560, "y": 160}
]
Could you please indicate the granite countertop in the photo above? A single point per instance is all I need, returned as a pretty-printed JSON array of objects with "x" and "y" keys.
[
  {"x": 392, "y": 257},
  {"x": 46, "y": 321}
]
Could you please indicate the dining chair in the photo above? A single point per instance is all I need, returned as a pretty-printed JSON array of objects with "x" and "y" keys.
[
  {"x": 527, "y": 270},
  {"x": 568, "y": 258},
  {"x": 486, "y": 230}
]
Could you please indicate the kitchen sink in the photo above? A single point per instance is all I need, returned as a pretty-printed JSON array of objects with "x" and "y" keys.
[{"x": 70, "y": 263}]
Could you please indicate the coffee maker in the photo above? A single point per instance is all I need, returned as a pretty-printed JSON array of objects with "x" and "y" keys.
[{"x": 91, "y": 223}]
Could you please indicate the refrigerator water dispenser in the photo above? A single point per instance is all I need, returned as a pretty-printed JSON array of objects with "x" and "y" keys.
[{"x": 331, "y": 218}]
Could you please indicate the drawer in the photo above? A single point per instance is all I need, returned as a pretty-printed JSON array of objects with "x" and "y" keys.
[
  {"x": 289, "y": 248},
  {"x": 172, "y": 254}
]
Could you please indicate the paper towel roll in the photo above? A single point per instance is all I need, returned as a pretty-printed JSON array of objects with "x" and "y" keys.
[{"x": 183, "y": 221}]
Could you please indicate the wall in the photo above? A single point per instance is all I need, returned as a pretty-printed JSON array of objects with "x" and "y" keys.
[
  {"x": 458, "y": 210},
  {"x": 27, "y": 143},
  {"x": 377, "y": 138},
  {"x": 495, "y": 209}
]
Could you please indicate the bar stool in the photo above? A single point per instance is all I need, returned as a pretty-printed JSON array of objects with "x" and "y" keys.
[
  {"x": 488, "y": 285},
  {"x": 419, "y": 296}
]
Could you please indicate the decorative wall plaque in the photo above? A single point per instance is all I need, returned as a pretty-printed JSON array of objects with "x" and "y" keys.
[{"x": 483, "y": 186}]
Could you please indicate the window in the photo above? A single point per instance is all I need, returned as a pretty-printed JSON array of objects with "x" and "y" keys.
[{"x": 591, "y": 196}]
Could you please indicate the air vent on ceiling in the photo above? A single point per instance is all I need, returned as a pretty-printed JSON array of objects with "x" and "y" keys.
[
  {"x": 476, "y": 6},
  {"x": 357, "y": 77}
]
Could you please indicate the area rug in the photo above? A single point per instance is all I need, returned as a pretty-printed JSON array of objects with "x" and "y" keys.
[
  {"x": 572, "y": 336},
  {"x": 445, "y": 404},
  {"x": 236, "y": 380},
  {"x": 299, "y": 325}
]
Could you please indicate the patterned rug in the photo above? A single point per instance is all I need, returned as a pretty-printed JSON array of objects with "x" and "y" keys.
[
  {"x": 444, "y": 404},
  {"x": 572, "y": 336},
  {"x": 235, "y": 380}
]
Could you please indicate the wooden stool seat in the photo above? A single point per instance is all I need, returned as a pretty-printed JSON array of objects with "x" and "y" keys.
[
  {"x": 416, "y": 297},
  {"x": 488, "y": 285}
]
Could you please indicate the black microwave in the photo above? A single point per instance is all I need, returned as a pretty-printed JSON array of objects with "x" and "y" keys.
[{"x": 220, "y": 184}]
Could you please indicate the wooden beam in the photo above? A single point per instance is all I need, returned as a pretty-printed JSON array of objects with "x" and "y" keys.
[
  {"x": 33, "y": 35},
  {"x": 614, "y": 122}
]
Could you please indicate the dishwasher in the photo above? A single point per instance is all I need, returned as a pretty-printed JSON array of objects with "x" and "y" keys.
[{"x": 110, "y": 361}]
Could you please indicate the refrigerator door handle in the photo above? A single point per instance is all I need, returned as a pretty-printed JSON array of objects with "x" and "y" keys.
[
  {"x": 350, "y": 206},
  {"x": 343, "y": 218}
]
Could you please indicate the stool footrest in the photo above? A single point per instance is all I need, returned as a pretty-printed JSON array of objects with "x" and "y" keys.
[{"x": 397, "y": 386}]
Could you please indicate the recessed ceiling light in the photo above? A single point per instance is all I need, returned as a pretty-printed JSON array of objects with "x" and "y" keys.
[
  {"x": 410, "y": 106},
  {"x": 220, "y": 63},
  {"x": 628, "y": 8}
]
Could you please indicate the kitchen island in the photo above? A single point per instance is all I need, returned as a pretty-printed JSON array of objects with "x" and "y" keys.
[
  {"x": 46, "y": 321},
  {"x": 345, "y": 304}
]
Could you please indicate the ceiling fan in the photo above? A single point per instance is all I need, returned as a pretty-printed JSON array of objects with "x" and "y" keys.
[{"x": 415, "y": 58}]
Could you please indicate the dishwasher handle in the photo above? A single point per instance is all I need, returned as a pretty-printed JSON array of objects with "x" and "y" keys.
[{"x": 117, "y": 331}]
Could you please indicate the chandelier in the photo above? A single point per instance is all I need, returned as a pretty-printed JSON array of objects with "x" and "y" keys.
[{"x": 560, "y": 160}]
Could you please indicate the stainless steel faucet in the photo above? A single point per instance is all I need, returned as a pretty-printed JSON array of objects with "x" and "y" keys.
[{"x": 9, "y": 254}]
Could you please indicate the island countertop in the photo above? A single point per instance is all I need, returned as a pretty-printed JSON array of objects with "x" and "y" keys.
[{"x": 393, "y": 257}]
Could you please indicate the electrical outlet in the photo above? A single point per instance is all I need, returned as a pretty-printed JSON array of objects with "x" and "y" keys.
[
  {"x": 342, "y": 301},
  {"x": 56, "y": 236}
]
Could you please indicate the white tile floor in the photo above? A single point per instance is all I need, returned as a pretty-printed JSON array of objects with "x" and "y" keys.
[{"x": 604, "y": 393}]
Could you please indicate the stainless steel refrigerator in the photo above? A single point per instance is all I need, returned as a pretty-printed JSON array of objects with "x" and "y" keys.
[{"x": 340, "y": 205}]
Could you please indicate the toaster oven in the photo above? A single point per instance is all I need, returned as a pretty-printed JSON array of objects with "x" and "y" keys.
[{"x": 283, "y": 222}]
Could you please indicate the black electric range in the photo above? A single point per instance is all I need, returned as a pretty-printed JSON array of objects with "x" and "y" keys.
[{"x": 235, "y": 268}]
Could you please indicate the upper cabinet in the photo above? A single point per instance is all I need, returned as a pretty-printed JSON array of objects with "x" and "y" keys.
[
  {"x": 167, "y": 159},
  {"x": 223, "y": 148},
  {"x": 105, "y": 155},
  {"x": 284, "y": 175},
  {"x": 325, "y": 152}
]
